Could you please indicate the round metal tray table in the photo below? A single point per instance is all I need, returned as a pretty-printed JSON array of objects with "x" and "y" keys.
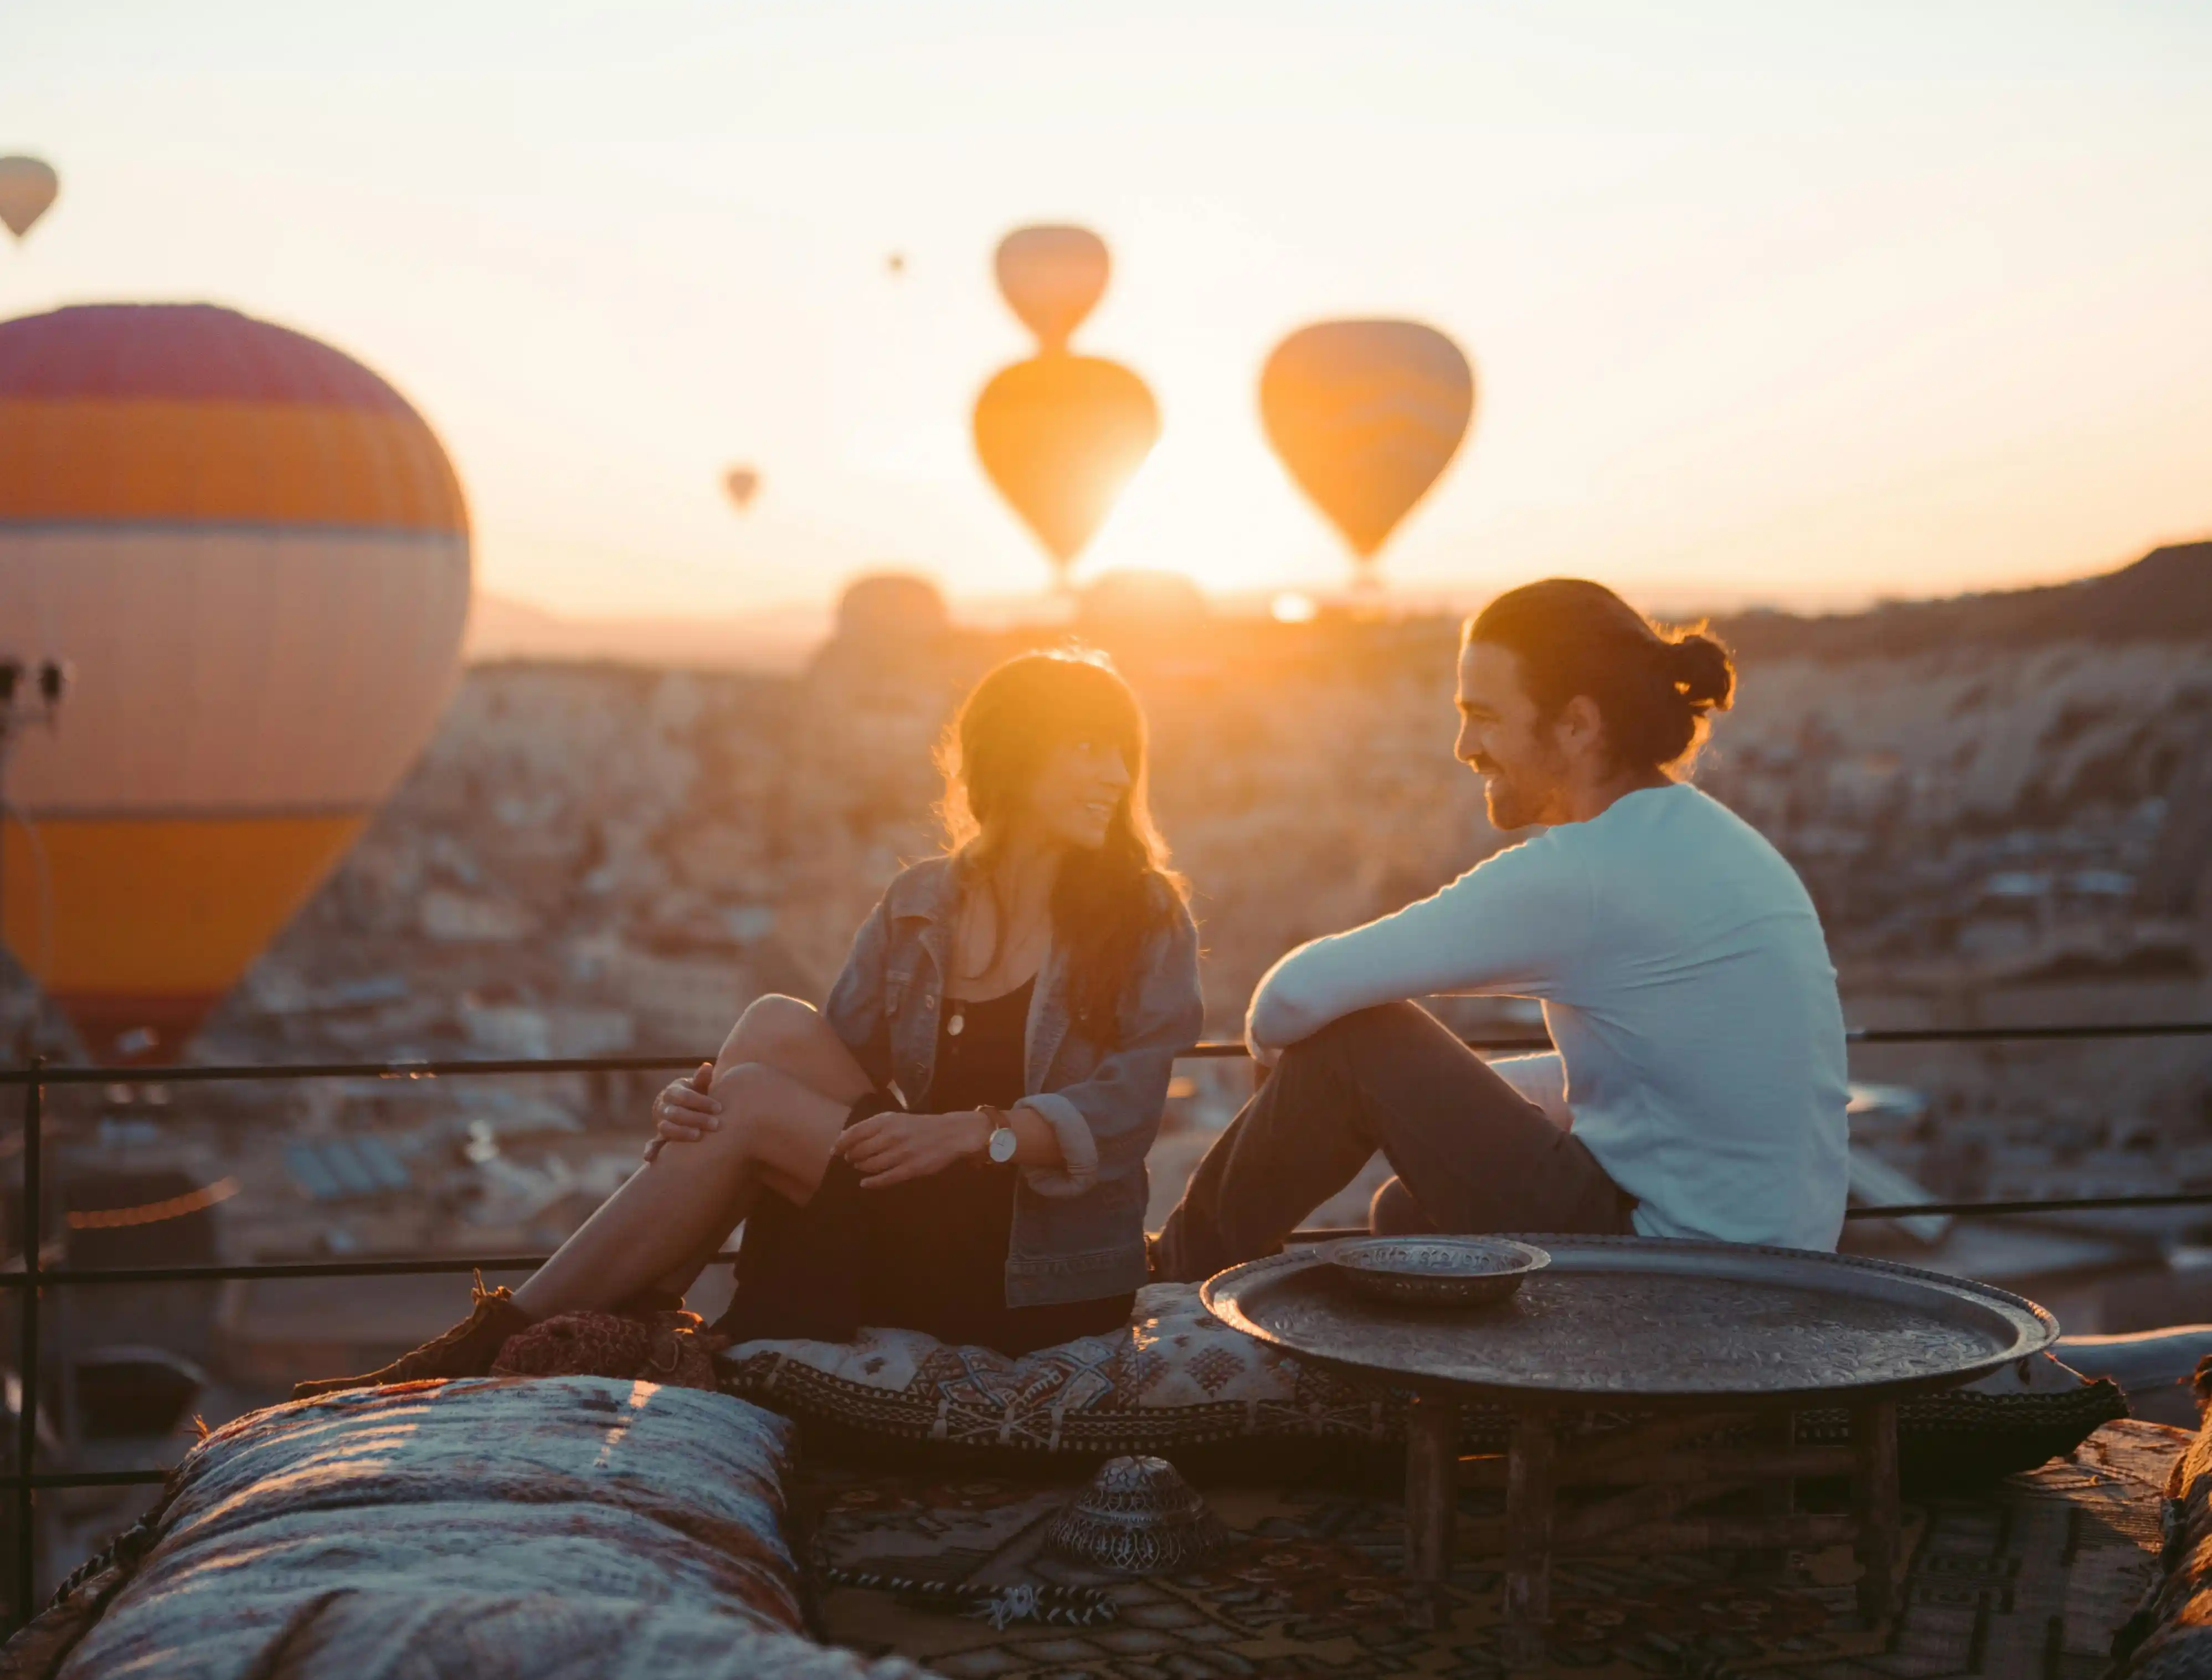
[{"x": 1702, "y": 1337}]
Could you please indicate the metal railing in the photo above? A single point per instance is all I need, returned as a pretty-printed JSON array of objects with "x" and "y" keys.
[{"x": 33, "y": 1277}]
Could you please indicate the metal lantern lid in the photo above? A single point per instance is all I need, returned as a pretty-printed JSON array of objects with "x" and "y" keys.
[{"x": 1137, "y": 1517}]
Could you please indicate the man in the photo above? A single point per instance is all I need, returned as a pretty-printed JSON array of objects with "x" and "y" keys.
[{"x": 1699, "y": 1086}]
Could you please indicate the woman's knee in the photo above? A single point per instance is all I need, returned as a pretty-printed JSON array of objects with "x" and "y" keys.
[
  {"x": 778, "y": 1019},
  {"x": 743, "y": 1089},
  {"x": 771, "y": 1025},
  {"x": 774, "y": 1123},
  {"x": 746, "y": 1091}
]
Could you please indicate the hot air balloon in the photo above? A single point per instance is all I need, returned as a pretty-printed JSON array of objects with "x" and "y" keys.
[
  {"x": 1060, "y": 437},
  {"x": 743, "y": 484},
  {"x": 256, "y": 557},
  {"x": 28, "y": 187},
  {"x": 1052, "y": 277},
  {"x": 1365, "y": 415}
]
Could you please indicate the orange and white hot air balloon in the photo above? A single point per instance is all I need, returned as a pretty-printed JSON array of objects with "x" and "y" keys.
[
  {"x": 28, "y": 187},
  {"x": 1052, "y": 277},
  {"x": 1365, "y": 414},
  {"x": 741, "y": 484},
  {"x": 256, "y": 556},
  {"x": 1061, "y": 436}
]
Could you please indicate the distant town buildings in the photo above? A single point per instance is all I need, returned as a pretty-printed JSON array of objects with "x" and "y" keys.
[{"x": 602, "y": 860}]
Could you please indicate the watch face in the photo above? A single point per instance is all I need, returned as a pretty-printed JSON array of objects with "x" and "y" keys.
[{"x": 1002, "y": 1144}]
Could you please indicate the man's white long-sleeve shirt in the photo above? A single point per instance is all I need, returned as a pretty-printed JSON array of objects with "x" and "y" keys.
[{"x": 1686, "y": 983}]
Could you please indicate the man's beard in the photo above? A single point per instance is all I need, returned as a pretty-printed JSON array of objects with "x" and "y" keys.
[
  {"x": 1508, "y": 807},
  {"x": 1523, "y": 799}
]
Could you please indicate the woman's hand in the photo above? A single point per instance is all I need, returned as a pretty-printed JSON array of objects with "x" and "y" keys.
[
  {"x": 890, "y": 1149},
  {"x": 685, "y": 1111}
]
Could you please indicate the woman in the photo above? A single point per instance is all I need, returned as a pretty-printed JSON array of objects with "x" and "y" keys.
[{"x": 956, "y": 1142}]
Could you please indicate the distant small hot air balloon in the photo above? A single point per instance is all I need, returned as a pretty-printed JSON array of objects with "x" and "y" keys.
[
  {"x": 743, "y": 484},
  {"x": 28, "y": 187},
  {"x": 1052, "y": 277},
  {"x": 256, "y": 554},
  {"x": 896, "y": 263},
  {"x": 1365, "y": 415},
  {"x": 1062, "y": 435}
]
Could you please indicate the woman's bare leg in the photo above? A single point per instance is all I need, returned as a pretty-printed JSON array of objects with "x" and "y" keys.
[{"x": 785, "y": 1084}]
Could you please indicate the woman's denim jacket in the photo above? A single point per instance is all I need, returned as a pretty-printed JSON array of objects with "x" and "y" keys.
[{"x": 1079, "y": 1229}]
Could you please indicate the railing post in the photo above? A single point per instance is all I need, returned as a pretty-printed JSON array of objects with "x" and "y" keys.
[{"x": 31, "y": 1229}]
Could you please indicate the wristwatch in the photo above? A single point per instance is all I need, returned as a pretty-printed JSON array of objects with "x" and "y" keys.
[{"x": 1003, "y": 1142}]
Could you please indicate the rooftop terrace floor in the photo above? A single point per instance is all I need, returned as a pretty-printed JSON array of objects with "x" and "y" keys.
[{"x": 2029, "y": 1579}]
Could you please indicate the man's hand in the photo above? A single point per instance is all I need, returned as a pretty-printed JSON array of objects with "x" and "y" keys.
[
  {"x": 1264, "y": 1055},
  {"x": 890, "y": 1149}
]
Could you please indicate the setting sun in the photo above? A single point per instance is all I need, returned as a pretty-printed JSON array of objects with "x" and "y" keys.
[{"x": 1221, "y": 514}]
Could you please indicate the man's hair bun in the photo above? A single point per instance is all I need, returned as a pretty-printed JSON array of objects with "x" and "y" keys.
[{"x": 1704, "y": 671}]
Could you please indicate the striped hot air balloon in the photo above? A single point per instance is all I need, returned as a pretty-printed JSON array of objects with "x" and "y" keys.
[{"x": 256, "y": 556}]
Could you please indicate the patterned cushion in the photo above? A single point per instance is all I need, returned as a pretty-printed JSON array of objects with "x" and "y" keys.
[
  {"x": 566, "y": 1526},
  {"x": 1177, "y": 1377},
  {"x": 2170, "y": 1638},
  {"x": 2012, "y": 1421}
]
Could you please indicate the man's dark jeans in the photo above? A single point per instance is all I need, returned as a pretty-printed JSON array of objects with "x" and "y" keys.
[{"x": 1471, "y": 1154}]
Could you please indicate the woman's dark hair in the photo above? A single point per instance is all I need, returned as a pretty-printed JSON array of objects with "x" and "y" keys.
[
  {"x": 1106, "y": 902},
  {"x": 1653, "y": 687}
]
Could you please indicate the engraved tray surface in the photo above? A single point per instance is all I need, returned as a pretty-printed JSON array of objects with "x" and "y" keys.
[{"x": 1647, "y": 1319}]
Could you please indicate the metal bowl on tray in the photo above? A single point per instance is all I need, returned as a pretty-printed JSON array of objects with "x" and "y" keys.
[{"x": 1436, "y": 1271}]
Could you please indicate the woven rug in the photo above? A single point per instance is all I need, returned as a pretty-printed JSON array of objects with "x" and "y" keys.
[
  {"x": 2049, "y": 1563},
  {"x": 2032, "y": 1578}
]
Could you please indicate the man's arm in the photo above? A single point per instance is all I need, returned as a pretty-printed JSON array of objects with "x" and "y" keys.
[{"x": 1512, "y": 924}]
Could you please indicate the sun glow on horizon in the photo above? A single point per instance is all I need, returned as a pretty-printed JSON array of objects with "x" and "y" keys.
[{"x": 1216, "y": 510}]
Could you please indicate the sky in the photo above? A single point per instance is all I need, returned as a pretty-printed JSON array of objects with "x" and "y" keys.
[{"x": 1807, "y": 304}]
